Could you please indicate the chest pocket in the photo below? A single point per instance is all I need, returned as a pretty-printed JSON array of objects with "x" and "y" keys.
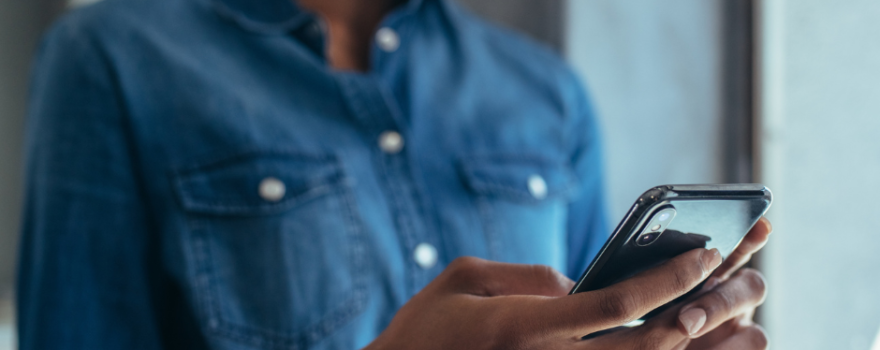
[
  {"x": 522, "y": 202},
  {"x": 274, "y": 246}
]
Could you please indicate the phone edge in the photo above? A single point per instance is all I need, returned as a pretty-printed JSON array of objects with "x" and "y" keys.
[{"x": 658, "y": 194}]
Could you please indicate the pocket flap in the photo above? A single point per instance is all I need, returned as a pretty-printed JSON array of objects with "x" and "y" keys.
[
  {"x": 256, "y": 183},
  {"x": 518, "y": 177}
]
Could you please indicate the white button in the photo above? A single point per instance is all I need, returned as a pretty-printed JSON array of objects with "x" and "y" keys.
[
  {"x": 391, "y": 142},
  {"x": 537, "y": 186},
  {"x": 272, "y": 189},
  {"x": 387, "y": 39},
  {"x": 425, "y": 255}
]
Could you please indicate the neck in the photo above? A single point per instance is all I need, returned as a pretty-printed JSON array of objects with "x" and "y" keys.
[{"x": 350, "y": 24}]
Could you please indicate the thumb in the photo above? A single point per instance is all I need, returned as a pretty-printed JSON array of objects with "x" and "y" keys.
[{"x": 488, "y": 278}]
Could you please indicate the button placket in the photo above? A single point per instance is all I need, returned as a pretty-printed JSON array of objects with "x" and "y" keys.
[{"x": 373, "y": 107}]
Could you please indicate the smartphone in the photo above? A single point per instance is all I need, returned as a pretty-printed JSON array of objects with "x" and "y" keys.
[{"x": 669, "y": 220}]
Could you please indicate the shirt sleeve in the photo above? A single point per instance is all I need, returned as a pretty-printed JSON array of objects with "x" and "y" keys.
[
  {"x": 587, "y": 227},
  {"x": 87, "y": 262}
]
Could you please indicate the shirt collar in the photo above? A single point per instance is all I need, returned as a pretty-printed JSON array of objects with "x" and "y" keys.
[{"x": 276, "y": 16}]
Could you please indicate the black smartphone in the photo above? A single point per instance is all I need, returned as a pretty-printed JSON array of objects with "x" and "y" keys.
[{"x": 669, "y": 220}]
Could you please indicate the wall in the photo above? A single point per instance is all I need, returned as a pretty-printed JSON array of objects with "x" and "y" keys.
[
  {"x": 20, "y": 25},
  {"x": 653, "y": 68},
  {"x": 821, "y": 121},
  {"x": 542, "y": 20}
]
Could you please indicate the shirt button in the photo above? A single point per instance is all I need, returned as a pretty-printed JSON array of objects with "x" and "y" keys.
[
  {"x": 425, "y": 255},
  {"x": 391, "y": 142},
  {"x": 387, "y": 39},
  {"x": 272, "y": 189},
  {"x": 537, "y": 186}
]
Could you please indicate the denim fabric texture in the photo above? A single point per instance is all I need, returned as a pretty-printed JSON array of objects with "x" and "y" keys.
[{"x": 200, "y": 178}]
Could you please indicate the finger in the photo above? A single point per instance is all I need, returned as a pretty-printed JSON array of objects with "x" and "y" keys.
[
  {"x": 488, "y": 278},
  {"x": 660, "y": 332},
  {"x": 752, "y": 338},
  {"x": 616, "y": 305},
  {"x": 722, "y": 332},
  {"x": 642, "y": 337},
  {"x": 737, "y": 296},
  {"x": 751, "y": 243}
]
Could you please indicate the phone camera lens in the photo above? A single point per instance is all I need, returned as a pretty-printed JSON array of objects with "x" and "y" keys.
[
  {"x": 663, "y": 216},
  {"x": 647, "y": 238}
]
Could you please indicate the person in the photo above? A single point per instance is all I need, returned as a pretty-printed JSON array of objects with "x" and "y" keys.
[{"x": 329, "y": 174}]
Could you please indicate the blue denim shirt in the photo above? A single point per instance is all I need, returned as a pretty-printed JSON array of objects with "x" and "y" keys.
[{"x": 199, "y": 177}]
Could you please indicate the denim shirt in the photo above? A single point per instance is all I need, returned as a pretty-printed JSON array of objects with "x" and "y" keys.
[{"x": 199, "y": 177}]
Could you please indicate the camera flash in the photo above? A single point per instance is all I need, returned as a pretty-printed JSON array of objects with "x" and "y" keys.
[{"x": 655, "y": 227}]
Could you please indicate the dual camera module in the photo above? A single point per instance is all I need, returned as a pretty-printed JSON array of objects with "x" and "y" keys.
[{"x": 655, "y": 226}]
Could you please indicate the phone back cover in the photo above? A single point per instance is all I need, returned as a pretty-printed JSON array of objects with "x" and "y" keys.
[{"x": 709, "y": 217}]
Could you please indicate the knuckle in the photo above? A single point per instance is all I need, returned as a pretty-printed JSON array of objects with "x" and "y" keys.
[
  {"x": 465, "y": 262},
  {"x": 756, "y": 282},
  {"x": 617, "y": 306},
  {"x": 757, "y": 338},
  {"x": 465, "y": 269},
  {"x": 683, "y": 279},
  {"x": 544, "y": 272},
  {"x": 720, "y": 302},
  {"x": 548, "y": 276}
]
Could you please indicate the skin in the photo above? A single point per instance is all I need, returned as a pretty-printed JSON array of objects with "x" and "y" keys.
[
  {"x": 350, "y": 28},
  {"x": 478, "y": 304}
]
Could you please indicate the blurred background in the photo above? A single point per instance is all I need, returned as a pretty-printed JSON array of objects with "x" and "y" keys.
[{"x": 783, "y": 92}]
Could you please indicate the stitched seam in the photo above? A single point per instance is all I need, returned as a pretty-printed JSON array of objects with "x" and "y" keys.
[
  {"x": 228, "y": 157},
  {"x": 306, "y": 336},
  {"x": 352, "y": 305},
  {"x": 217, "y": 207},
  {"x": 486, "y": 185},
  {"x": 203, "y": 274},
  {"x": 403, "y": 227},
  {"x": 492, "y": 187}
]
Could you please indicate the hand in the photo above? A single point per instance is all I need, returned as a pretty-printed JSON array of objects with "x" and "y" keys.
[
  {"x": 731, "y": 305},
  {"x": 477, "y": 304},
  {"x": 720, "y": 316}
]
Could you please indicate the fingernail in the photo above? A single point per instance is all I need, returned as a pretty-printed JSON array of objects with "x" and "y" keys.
[
  {"x": 711, "y": 259},
  {"x": 693, "y": 320},
  {"x": 768, "y": 226}
]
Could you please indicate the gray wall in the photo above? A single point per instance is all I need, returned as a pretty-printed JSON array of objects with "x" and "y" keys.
[
  {"x": 541, "y": 19},
  {"x": 21, "y": 22},
  {"x": 653, "y": 68},
  {"x": 821, "y": 145}
]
